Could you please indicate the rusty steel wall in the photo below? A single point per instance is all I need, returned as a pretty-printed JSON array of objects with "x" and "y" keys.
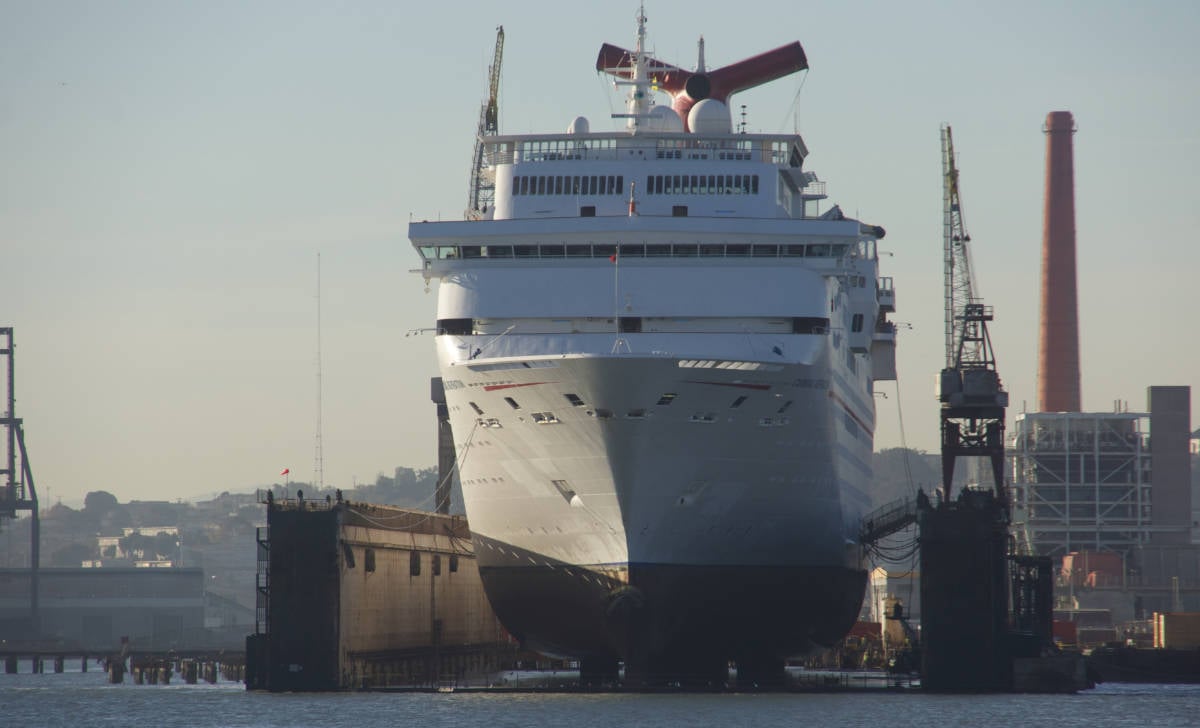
[
  {"x": 409, "y": 590},
  {"x": 1058, "y": 388},
  {"x": 365, "y": 595}
]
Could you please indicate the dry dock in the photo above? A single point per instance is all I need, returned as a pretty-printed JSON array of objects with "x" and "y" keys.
[{"x": 356, "y": 596}]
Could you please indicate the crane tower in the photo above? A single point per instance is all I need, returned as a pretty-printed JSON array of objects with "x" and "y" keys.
[{"x": 969, "y": 388}]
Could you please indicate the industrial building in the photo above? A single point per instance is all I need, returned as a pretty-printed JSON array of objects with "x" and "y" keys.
[
  {"x": 96, "y": 609},
  {"x": 1081, "y": 481},
  {"x": 1103, "y": 481}
]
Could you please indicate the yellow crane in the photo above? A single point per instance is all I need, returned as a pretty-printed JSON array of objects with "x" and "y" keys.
[{"x": 482, "y": 194}]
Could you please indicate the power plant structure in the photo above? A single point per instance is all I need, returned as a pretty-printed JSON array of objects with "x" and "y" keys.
[{"x": 1115, "y": 483}]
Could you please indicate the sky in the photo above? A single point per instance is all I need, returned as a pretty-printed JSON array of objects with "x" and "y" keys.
[{"x": 170, "y": 172}]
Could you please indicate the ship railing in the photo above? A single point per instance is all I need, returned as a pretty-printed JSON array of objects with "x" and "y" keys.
[
  {"x": 890, "y": 518},
  {"x": 831, "y": 252},
  {"x": 297, "y": 502},
  {"x": 781, "y": 150}
]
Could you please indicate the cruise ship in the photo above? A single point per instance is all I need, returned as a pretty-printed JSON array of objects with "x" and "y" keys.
[{"x": 658, "y": 346}]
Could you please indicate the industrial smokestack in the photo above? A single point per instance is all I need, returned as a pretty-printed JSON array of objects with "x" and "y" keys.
[{"x": 1058, "y": 345}]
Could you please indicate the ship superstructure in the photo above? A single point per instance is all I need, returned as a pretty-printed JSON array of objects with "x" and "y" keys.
[{"x": 659, "y": 354}]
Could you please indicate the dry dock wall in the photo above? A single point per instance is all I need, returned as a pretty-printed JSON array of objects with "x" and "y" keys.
[{"x": 361, "y": 595}]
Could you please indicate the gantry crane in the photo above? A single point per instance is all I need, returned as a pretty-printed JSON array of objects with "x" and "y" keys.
[
  {"x": 973, "y": 399},
  {"x": 483, "y": 182}
]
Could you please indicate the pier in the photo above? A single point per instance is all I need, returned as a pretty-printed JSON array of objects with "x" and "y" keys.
[{"x": 141, "y": 667}]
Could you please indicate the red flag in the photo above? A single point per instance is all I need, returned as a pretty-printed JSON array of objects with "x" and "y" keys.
[
  {"x": 612, "y": 258},
  {"x": 285, "y": 471}
]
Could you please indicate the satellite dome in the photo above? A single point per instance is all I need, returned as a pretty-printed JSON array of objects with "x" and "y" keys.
[
  {"x": 580, "y": 125},
  {"x": 710, "y": 117},
  {"x": 664, "y": 118}
]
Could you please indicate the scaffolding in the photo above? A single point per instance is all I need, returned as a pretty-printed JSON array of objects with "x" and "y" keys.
[{"x": 1081, "y": 481}]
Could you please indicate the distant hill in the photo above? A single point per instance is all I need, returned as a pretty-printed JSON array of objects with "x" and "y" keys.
[{"x": 892, "y": 480}]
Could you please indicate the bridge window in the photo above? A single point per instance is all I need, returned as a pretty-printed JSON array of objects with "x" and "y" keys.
[
  {"x": 456, "y": 327},
  {"x": 809, "y": 325}
]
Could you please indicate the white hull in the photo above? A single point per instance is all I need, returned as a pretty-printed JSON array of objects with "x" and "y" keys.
[{"x": 696, "y": 481}]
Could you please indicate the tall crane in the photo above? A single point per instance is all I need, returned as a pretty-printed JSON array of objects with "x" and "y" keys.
[
  {"x": 483, "y": 181},
  {"x": 973, "y": 399}
]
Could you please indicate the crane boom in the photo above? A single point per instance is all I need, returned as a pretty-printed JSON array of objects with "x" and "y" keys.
[
  {"x": 960, "y": 282},
  {"x": 482, "y": 193},
  {"x": 973, "y": 399}
]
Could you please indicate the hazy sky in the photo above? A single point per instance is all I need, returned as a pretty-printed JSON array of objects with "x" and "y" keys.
[{"x": 169, "y": 172}]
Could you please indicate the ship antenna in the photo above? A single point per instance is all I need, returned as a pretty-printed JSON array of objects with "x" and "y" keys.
[
  {"x": 639, "y": 92},
  {"x": 318, "y": 451},
  {"x": 700, "y": 62}
]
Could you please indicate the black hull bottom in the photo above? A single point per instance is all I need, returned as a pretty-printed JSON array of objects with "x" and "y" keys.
[{"x": 676, "y": 622}]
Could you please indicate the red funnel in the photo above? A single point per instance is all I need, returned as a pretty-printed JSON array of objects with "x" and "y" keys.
[{"x": 688, "y": 87}]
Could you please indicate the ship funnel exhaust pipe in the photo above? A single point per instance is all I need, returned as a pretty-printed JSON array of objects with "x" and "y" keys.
[{"x": 688, "y": 87}]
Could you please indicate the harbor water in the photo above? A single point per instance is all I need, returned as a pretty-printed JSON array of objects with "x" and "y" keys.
[{"x": 85, "y": 699}]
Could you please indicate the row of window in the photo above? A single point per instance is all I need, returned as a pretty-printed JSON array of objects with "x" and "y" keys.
[
  {"x": 569, "y": 185},
  {"x": 678, "y": 154},
  {"x": 701, "y": 184},
  {"x": 633, "y": 325},
  {"x": 414, "y": 561},
  {"x": 656, "y": 184},
  {"x": 576, "y": 401},
  {"x": 664, "y": 250}
]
